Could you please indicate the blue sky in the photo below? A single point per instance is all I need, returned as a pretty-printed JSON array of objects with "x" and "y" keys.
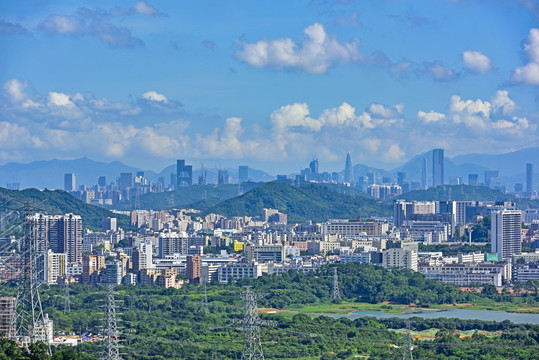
[{"x": 268, "y": 84}]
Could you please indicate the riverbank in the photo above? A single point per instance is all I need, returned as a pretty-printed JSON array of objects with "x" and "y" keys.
[{"x": 346, "y": 308}]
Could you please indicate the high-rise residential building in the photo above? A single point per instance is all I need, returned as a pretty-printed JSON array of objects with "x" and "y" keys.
[
  {"x": 193, "y": 268},
  {"x": 51, "y": 266},
  {"x": 437, "y": 167},
  {"x": 424, "y": 178},
  {"x": 69, "y": 182},
  {"x": 243, "y": 173},
  {"x": 348, "y": 170},
  {"x": 113, "y": 272},
  {"x": 529, "y": 179},
  {"x": 91, "y": 266},
  {"x": 69, "y": 239},
  {"x": 506, "y": 238},
  {"x": 60, "y": 233},
  {"x": 125, "y": 181},
  {"x": 472, "y": 179},
  {"x": 109, "y": 224},
  {"x": 184, "y": 174},
  {"x": 401, "y": 178},
  {"x": 7, "y": 311},
  {"x": 142, "y": 256}
]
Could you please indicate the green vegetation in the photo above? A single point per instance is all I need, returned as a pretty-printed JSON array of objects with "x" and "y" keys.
[
  {"x": 308, "y": 202},
  {"x": 184, "y": 197},
  {"x": 171, "y": 324},
  {"x": 466, "y": 193},
  {"x": 58, "y": 202}
]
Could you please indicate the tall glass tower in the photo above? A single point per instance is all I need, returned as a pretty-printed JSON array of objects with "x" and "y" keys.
[{"x": 437, "y": 167}]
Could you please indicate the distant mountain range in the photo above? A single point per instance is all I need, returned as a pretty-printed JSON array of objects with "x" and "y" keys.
[{"x": 50, "y": 174}]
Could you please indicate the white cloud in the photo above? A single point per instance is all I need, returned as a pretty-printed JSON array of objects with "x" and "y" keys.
[
  {"x": 317, "y": 52},
  {"x": 529, "y": 73},
  {"x": 142, "y": 7},
  {"x": 60, "y": 99},
  {"x": 430, "y": 117},
  {"x": 394, "y": 153},
  {"x": 476, "y": 61},
  {"x": 386, "y": 112},
  {"x": 501, "y": 102},
  {"x": 15, "y": 88},
  {"x": 440, "y": 72},
  {"x": 95, "y": 23},
  {"x": 155, "y": 96}
]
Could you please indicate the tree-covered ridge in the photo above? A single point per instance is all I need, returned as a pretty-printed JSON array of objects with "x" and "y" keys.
[
  {"x": 185, "y": 196},
  {"x": 465, "y": 193},
  {"x": 58, "y": 202},
  {"x": 307, "y": 202}
]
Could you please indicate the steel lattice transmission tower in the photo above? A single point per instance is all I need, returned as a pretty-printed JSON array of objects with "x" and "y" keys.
[
  {"x": 28, "y": 324},
  {"x": 110, "y": 347},
  {"x": 252, "y": 348},
  {"x": 408, "y": 355},
  {"x": 67, "y": 299},
  {"x": 336, "y": 294}
]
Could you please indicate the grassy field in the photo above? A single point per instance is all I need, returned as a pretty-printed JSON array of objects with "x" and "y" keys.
[{"x": 348, "y": 307}]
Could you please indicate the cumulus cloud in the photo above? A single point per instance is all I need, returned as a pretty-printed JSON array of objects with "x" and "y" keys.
[
  {"x": 480, "y": 116},
  {"x": 529, "y": 73},
  {"x": 154, "y": 96},
  {"x": 476, "y": 61},
  {"x": 315, "y": 54},
  {"x": 95, "y": 23},
  {"x": 430, "y": 117}
]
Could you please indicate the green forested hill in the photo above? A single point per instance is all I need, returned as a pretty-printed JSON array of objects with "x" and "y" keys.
[
  {"x": 465, "y": 192},
  {"x": 184, "y": 197},
  {"x": 58, "y": 202},
  {"x": 308, "y": 202}
]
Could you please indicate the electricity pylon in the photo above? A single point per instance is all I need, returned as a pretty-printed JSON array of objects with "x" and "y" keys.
[
  {"x": 408, "y": 355},
  {"x": 28, "y": 324},
  {"x": 252, "y": 348},
  {"x": 67, "y": 299},
  {"x": 110, "y": 348},
  {"x": 336, "y": 294}
]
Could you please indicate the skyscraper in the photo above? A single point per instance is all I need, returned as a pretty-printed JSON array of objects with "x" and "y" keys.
[
  {"x": 69, "y": 182},
  {"x": 313, "y": 167},
  {"x": 184, "y": 174},
  {"x": 401, "y": 177},
  {"x": 506, "y": 238},
  {"x": 472, "y": 179},
  {"x": 125, "y": 181},
  {"x": 424, "y": 183},
  {"x": 529, "y": 179},
  {"x": 348, "y": 170},
  {"x": 437, "y": 167},
  {"x": 102, "y": 181},
  {"x": 243, "y": 173}
]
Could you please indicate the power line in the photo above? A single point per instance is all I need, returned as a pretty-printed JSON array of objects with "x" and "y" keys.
[{"x": 29, "y": 324}]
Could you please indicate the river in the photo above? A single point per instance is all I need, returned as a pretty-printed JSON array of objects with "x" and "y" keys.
[{"x": 484, "y": 315}]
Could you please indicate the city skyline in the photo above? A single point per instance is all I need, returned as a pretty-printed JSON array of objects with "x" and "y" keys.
[{"x": 270, "y": 83}]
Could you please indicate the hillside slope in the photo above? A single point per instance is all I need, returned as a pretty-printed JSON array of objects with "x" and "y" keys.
[
  {"x": 58, "y": 202},
  {"x": 308, "y": 202}
]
